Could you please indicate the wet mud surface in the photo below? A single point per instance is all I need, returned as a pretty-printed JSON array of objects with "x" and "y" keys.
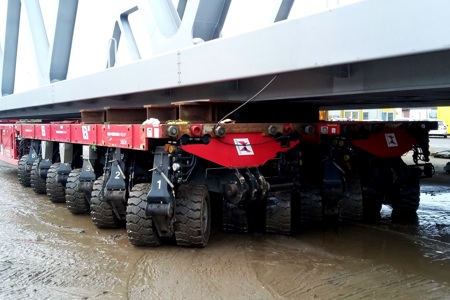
[{"x": 48, "y": 253}]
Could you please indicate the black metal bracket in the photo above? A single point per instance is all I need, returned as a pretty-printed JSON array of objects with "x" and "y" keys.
[{"x": 160, "y": 198}]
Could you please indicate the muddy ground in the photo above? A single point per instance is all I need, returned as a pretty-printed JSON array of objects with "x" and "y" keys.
[{"x": 48, "y": 253}]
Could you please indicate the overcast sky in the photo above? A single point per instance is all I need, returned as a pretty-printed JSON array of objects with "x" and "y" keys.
[{"x": 95, "y": 21}]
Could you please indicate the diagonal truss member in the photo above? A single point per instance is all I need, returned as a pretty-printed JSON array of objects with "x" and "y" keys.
[{"x": 52, "y": 60}]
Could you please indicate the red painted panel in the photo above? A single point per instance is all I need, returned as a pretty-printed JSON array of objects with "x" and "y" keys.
[
  {"x": 84, "y": 134},
  {"x": 27, "y": 131},
  {"x": 8, "y": 150},
  {"x": 239, "y": 150},
  {"x": 60, "y": 132},
  {"x": 139, "y": 137},
  {"x": 43, "y": 132},
  {"x": 120, "y": 136},
  {"x": 390, "y": 142},
  {"x": 123, "y": 136}
]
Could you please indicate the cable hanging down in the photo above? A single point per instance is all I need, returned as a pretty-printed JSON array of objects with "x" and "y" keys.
[{"x": 250, "y": 99}]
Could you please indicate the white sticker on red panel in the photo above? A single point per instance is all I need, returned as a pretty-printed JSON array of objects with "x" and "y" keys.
[
  {"x": 243, "y": 147},
  {"x": 85, "y": 130},
  {"x": 391, "y": 140},
  {"x": 153, "y": 132}
]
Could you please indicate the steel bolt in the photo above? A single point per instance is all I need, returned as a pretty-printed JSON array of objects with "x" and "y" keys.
[
  {"x": 172, "y": 131},
  {"x": 309, "y": 129},
  {"x": 220, "y": 131},
  {"x": 272, "y": 129}
]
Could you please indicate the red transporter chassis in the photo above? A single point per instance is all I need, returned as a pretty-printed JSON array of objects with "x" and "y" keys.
[
  {"x": 163, "y": 178},
  {"x": 260, "y": 175},
  {"x": 8, "y": 144},
  {"x": 243, "y": 145}
]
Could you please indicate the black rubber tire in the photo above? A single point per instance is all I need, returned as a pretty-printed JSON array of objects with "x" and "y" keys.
[
  {"x": 102, "y": 213},
  {"x": 372, "y": 202},
  {"x": 234, "y": 218},
  {"x": 278, "y": 212},
  {"x": 351, "y": 204},
  {"x": 192, "y": 216},
  {"x": 38, "y": 183},
  {"x": 311, "y": 208},
  {"x": 140, "y": 228},
  {"x": 78, "y": 202},
  {"x": 406, "y": 199},
  {"x": 55, "y": 190},
  {"x": 23, "y": 174}
]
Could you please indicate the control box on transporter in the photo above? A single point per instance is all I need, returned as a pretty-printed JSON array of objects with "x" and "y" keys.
[{"x": 171, "y": 172}]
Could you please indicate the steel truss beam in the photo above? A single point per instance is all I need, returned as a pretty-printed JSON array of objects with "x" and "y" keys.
[
  {"x": 9, "y": 56},
  {"x": 360, "y": 39},
  {"x": 52, "y": 60}
]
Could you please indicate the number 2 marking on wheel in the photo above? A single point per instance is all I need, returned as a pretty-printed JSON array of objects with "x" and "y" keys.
[{"x": 117, "y": 175}]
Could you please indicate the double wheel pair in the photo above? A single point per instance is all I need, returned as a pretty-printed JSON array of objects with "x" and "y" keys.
[
  {"x": 77, "y": 201},
  {"x": 192, "y": 225}
]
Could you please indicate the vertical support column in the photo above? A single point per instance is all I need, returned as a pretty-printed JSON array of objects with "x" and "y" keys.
[
  {"x": 46, "y": 160},
  {"x": 66, "y": 153},
  {"x": 117, "y": 184},
  {"x": 65, "y": 167},
  {"x": 62, "y": 43},
  {"x": 47, "y": 150},
  {"x": 10, "y": 52},
  {"x": 87, "y": 175},
  {"x": 89, "y": 153}
]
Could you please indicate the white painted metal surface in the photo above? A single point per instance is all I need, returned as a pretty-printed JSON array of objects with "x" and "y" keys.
[{"x": 365, "y": 31}]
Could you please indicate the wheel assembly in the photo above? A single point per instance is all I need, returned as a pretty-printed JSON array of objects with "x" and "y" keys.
[
  {"x": 406, "y": 198},
  {"x": 55, "y": 190},
  {"x": 140, "y": 228},
  {"x": 22, "y": 173},
  {"x": 192, "y": 216},
  {"x": 311, "y": 208},
  {"x": 372, "y": 202},
  {"x": 278, "y": 212},
  {"x": 234, "y": 218},
  {"x": 38, "y": 184},
  {"x": 78, "y": 202},
  {"x": 102, "y": 213},
  {"x": 351, "y": 203}
]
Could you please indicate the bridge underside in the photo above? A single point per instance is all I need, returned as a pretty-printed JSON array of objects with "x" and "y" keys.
[
  {"x": 370, "y": 54},
  {"x": 421, "y": 80}
]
